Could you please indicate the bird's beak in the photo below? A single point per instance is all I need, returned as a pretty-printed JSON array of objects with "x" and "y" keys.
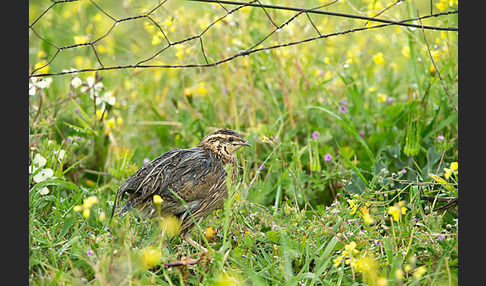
[{"x": 246, "y": 144}]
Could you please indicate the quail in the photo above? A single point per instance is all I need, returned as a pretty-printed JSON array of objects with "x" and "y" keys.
[{"x": 197, "y": 175}]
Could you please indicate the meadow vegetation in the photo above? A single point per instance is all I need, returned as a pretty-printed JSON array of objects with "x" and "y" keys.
[{"x": 351, "y": 179}]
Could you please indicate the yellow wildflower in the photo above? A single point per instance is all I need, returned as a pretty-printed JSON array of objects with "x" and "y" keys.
[
  {"x": 419, "y": 272},
  {"x": 442, "y": 5},
  {"x": 382, "y": 281},
  {"x": 42, "y": 63},
  {"x": 80, "y": 39},
  {"x": 170, "y": 225},
  {"x": 453, "y": 169},
  {"x": 102, "y": 216},
  {"x": 353, "y": 206},
  {"x": 201, "y": 89},
  {"x": 368, "y": 267},
  {"x": 210, "y": 233},
  {"x": 378, "y": 58},
  {"x": 397, "y": 210},
  {"x": 351, "y": 247},
  {"x": 228, "y": 278},
  {"x": 157, "y": 200},
  {"x": 155, "y": 40},
  {"x": 365, "y": 214},
  {"x": 150, "y": 257},
  {"x": 86, "y": 213},
  {"x": 41, "y": 54},
  {"x": 406, "y": 51},
  {"x": 381, "y": 97}
]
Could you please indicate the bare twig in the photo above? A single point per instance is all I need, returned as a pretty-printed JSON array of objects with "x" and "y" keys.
[{"x": 253, "y": 49}]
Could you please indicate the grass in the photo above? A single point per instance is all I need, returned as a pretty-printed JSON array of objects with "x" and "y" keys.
[{"x": 349, "y": 175}]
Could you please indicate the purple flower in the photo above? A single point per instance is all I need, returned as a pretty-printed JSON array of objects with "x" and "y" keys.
[
  {"x": 344, "y": 102},
  {"x": 439, "y": 138},
  {"x": 89, "y": 252},
  {"x": 394, "y": 175},
  {"x": 327, "y": 157},
  {"x": 361, "y": 134},
  {"x": 261, "y": 167},
  {"x": 440, "y": 237},
  {"x": 316, "y": 135},
  {"x": 78, "y": 138},
  {"x": 342, "y": 109},
  {"x": 403, "y": 171},
  {"x": 146, "y": 161}
]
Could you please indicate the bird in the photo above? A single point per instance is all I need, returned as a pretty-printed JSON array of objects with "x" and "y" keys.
[{"x": 196, "y": 175}]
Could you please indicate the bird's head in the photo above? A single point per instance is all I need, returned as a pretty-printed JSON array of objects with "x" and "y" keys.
[{"x": 224, "y": 142}]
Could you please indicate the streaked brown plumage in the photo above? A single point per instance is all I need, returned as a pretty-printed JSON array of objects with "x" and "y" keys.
[{"x": 197, "y": 175}]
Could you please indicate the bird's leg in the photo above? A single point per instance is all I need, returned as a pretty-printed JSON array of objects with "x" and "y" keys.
[{"x": 194, "y": 244}]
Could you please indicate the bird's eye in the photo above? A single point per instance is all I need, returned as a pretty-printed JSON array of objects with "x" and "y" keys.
[{"x": 231, "y": 139}]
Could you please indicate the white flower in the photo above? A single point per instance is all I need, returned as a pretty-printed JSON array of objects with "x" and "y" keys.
[
  {"x": 76, "y": 82},
  {"x": 44, "y": 191},
  {"x": 61, "y": 155},
  {"x": 37, "y": 84},
  {"x": 43, "y": 175},
  {"x": 93, "y": 88},
  {"x": 38, "y": 162},
  {"x": 108, "y": 98}
]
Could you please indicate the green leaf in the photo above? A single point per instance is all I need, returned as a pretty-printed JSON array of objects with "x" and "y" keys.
[{"x": 54, "y": 182}]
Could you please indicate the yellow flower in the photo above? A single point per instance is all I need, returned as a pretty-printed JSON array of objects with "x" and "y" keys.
[
  {"x": 150, "y": 257},
  {"x": 397, "y": 210},
  {"x": 399, "y": 274},
  {"x": 201, "y": 89},
  {"x": 42, "y": 63},
  {"x": 381, "y": 97},
  {"x": 41, "y": 54},
  {"x": 441, "y": 181},
  {"x": 168, "y": 22},
  {"x": 441, "y": 6},
  {"x": 419, "y": 272},
  {"x": 80, "y": 39},
  {"x": 102, "y": 216},
  {"x": 368, "y": 267},
  {"x": 86, "y": 213},
  {"x": 170, "y": 225},
  {"x": 157, "y": 200},
  {"x": 90, "y": 201},
  {"x": 381, "y": 281},
  {"x": 378, "y": 58},
  {"x": 365, "y": 214},
  {"x": 353, "y": 206},
  {"x": 406, "y": 51},
  {"x": 228, "y": 278},
  {"x": 351, "y": 247},
  {"x": 155, "y": 40},
  {"x": 187, "y": 91},
  {"x": 110, "y": 123},
  {"x": 453, "y": 169},
  {"x": 210, "y": 233}
]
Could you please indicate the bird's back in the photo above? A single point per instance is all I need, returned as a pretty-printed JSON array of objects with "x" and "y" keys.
[{"x": 196, "y": 175}]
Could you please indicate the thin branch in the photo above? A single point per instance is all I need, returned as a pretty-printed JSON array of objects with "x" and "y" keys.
[{"x": 351, "y": 16}]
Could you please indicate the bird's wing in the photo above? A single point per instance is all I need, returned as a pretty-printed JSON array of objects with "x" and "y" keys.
[{"x": 191, "y": 173}]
